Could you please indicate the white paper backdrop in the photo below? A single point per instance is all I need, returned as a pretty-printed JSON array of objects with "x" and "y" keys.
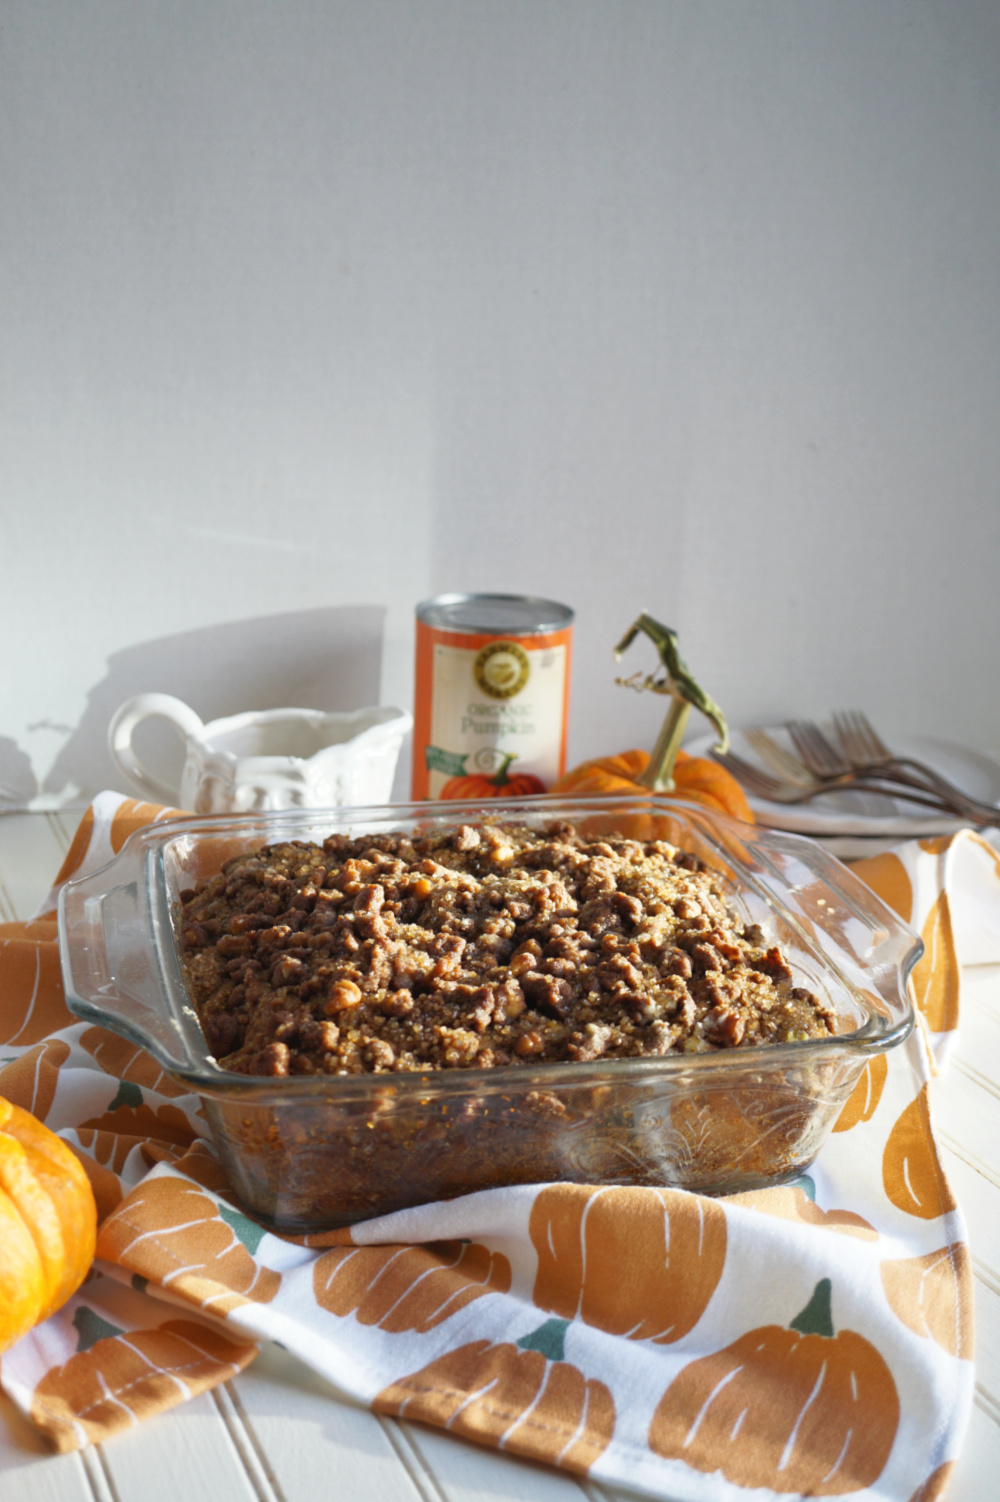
[{"x": 691, "y": 305}]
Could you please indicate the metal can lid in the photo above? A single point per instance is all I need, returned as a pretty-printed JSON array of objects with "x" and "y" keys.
[{"x": 506, "y": 615}]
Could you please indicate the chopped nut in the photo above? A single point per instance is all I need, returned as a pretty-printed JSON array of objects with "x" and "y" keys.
[{"x": 344, "y": 997}]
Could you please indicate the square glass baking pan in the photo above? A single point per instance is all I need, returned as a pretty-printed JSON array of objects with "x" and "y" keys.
[{"x": 311, "y": 1152}]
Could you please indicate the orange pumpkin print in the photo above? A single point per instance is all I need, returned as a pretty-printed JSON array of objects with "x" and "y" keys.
[
  {"x": 133, "y": 814},
  {"x": 107, "y": 1386},
  {"x": 105, "y": 1183},
  {"x": 912, "y": 1175},
  {"x": 936, "y": 977},
  {"x": 524, "y": 1398},
  {"x": 790, "y": 1202},
  {"x": 797, "y": 1410},
  {"x": 76, "y": 854},
  {"x": 937, "y": 844},
  {"x": 889, "y": 879},
  {"x": 129, "y": 1116},
  {"x": 863, "y": 1100},
  {"x": 31, "y": 986},
  {"x": 196, "y": 1162},
  {"x": 198, "y": 1247},
  {"x": 932, "y": 1295},
  {"x": 123, "y": 1060},
  {"x": 936, "y": 1485},
  {"x": 30, "y": 1081},
  {"x": 407, "y": 1288},
  {"x": 109, "y": 1149},
  {"x": 642, "y": 1263}
]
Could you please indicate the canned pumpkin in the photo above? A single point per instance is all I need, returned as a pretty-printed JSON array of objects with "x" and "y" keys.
[{"x": 492, "y": 695}]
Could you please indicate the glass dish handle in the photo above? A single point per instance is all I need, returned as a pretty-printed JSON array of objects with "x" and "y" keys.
[
  {"x": 108, "y": 970},
  {"x": 847, "y": 918}
]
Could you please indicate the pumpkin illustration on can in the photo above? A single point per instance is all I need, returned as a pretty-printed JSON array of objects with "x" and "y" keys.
[{"x": 801, "y": 1409}]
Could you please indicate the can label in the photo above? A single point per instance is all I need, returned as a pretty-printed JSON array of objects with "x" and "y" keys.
[{"x": 490, "y": 714}]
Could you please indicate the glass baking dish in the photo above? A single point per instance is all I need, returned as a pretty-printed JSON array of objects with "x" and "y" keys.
[{"x": 316, "y": 1151}]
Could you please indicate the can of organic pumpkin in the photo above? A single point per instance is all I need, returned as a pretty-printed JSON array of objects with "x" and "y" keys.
[{"x": 491, "y": 703}]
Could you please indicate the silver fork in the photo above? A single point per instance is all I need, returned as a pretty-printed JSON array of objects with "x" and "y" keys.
[
  {"x": 777, "y": 756},
  {"x": 763, "y": 785},
  {"x": 822, "y": 759},
  {"x": 867, "y": 752}
]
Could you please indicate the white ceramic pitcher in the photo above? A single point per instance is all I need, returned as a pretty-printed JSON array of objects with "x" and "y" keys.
[{"x": 267, "y": 759}]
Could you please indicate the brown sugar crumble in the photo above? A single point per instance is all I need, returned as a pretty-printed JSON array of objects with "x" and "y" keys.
[{"x": 489, "y": 945}]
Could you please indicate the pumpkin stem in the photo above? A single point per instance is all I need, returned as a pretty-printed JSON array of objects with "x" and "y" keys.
[
  {"x": 549, "y": 1339},
  {"x": 684, "y": 692},
  {"x": 501, "y": 776},
  {"x": 816, "y": 1318},
  {"x": 658, "y": 773}
]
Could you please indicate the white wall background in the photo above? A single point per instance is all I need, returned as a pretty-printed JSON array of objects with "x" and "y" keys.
[{"x": 691, "y": 305}]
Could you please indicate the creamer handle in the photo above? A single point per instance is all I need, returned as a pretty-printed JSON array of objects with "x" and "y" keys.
[{"x": 122, "y": 728}]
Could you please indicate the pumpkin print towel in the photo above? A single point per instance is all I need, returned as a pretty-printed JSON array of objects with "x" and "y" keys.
[{"x": 813, "y": 1339}]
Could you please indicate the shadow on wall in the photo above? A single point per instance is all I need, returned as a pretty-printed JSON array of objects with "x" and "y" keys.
[
  {"x": 327, "y": 659},
  {"x": 17, "y": 777}
]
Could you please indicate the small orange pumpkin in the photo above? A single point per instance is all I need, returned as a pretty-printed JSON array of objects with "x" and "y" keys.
[
  {"x": 800, "y": 1410},
  {"x": 696, "y": 779},
  {"x": 500, "y": 785},
  {"x": 669, "y": 771},
  {"x": 48, "y": 1223}
]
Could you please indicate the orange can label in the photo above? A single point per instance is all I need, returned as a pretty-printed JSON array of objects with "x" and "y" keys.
[{"x": 490, "y": 712}]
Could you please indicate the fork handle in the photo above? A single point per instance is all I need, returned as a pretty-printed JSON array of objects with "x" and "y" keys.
[
  {"x": 908, "y": 792},
  {"x": 916, "y": 774}
]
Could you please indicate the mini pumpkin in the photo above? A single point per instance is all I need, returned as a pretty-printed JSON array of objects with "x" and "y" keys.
[
  {"x": 669, "y": 770},
  {"x": 695, "y": 779},
  {"x": 48, "y": 1223},
  {"x": 800, "y": 1410}
]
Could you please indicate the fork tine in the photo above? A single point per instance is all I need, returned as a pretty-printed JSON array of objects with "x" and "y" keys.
[
  {"x": 870, "y": 744},
  {"x": 751, "y": 777},
  {"x": 820, "y": 757},
  {"x": 846, "y": 734},
  {"x": 778, "y": 756},
  {"x": 871, "y": 756}
]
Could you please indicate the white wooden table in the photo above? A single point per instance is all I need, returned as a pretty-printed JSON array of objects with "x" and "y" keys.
[{"x": 278, "y": 1433}]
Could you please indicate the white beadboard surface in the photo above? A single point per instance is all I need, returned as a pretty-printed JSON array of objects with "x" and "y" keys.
[{"x": 278, "y": 1433}]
